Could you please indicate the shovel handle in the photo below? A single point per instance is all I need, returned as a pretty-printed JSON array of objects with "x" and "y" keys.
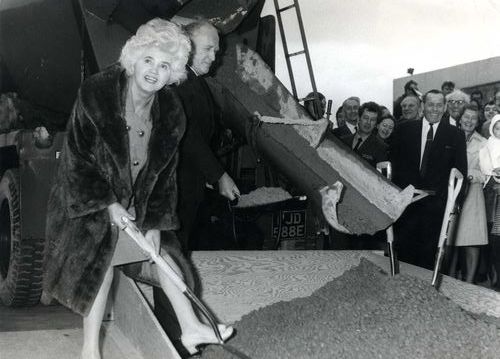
[
  {"x": 455, "y": 182},
  {"x": 454, "y": 185},
  {"x": 134, "y": 232},
  {"x": 389, "y": 231}
]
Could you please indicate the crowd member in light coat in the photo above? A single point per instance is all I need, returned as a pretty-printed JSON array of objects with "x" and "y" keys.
[{"x": 471, "y": 231}]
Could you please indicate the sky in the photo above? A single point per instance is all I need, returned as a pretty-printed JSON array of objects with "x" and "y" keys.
[{"x": 358, "y": 47}]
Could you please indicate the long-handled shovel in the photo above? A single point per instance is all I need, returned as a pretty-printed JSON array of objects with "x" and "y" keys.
[
  {"x": 389, "y": 231},
  {"x": 454, "y": 186},
  {"x": 134, "y": 232}
]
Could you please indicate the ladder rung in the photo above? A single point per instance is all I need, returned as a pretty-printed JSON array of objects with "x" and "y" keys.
[
  {"x": 296, "y": 53},
  {"x": 286, "y": 8}
]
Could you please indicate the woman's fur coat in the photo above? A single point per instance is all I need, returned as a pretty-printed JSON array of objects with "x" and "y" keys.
[{"x": 94, "y": 171}]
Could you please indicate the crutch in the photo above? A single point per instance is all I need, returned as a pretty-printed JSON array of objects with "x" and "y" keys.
[
  {"x": 134, "y": 232},
  {"x": 454, "y": 185},
  {"x": 389, "y": 231}
]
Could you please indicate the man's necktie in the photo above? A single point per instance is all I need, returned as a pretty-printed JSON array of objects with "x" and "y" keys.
[
  {"x": 356, "y": 147},
  {"x": 427, "y": 150}
]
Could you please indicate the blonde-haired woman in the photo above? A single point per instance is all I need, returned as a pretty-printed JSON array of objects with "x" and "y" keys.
[{"x": 119, "y": 160}]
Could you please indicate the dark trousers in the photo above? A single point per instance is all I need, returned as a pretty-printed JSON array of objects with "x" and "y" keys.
[
  {"x": 417, "y": 231},
  {"x": 191, "y": 192}
]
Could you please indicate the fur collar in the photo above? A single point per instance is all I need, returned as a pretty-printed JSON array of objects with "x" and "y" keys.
[{"x": 103, "y": 100}]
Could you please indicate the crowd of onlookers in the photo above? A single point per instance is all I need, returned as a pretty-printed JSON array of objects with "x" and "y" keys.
[{"x": 425, "y": 136}]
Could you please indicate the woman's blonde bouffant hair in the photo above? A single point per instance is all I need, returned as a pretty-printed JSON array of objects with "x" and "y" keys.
[{"x": 168, "y": 37}]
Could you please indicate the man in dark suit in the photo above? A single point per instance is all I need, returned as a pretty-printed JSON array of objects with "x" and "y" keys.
[
  {"x": 350, "y": 109},
  {"x": 365, "y": 142},
  {"x": 422, "y": 154},
  {"x": 198, "y": 164},
  {"x": 367, "y": 145}
]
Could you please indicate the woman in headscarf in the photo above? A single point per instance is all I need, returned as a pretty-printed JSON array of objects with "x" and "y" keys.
[{"x": 119, "y": 160}]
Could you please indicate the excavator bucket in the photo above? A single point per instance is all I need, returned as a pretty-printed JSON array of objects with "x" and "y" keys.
[{"x": 244, "y": 85}]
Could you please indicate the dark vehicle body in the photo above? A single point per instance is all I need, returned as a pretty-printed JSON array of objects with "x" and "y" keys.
[{"x": 46, "y": 48}]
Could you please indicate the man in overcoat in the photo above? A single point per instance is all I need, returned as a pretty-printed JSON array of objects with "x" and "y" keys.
[{"x": 198, "y": 164}]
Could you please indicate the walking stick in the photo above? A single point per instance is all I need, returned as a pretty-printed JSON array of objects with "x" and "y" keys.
[
  {"x": 454, "y": 185},
  {"x": 389, "y": 231}
]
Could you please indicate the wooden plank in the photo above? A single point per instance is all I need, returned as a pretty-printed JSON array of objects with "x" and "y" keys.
[
  {"x": 115, "y": 344},
  {"x": 135, "y": 320},
  {"x": 237, "y": 282}
]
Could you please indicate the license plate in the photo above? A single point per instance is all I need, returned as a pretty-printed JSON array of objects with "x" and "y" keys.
[{"x": 289, "y": 224}]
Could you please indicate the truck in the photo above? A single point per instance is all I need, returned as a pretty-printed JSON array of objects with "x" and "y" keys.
[{"x": 47, "y": 47}]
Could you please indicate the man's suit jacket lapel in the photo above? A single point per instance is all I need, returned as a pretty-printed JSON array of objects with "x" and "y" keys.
[{"x": 367, "y": 144}]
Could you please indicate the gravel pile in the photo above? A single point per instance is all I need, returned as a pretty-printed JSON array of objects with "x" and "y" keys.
[
  {"x": 364, "y": 314},
  {"x": 262, "y": 196}
]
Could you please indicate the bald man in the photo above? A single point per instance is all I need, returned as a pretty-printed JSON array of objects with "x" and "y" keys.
[{"x": 198, "y": 164}]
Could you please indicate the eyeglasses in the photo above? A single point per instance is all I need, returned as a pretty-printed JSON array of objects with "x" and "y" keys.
[{"x": 456, "y": 102}]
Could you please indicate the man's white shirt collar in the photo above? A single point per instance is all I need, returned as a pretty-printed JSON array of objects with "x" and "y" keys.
[
  {"x": 351, "y": 127},
  {"x": 193, "y": 69}
]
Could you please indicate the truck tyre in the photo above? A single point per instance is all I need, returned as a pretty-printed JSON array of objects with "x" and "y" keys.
[{"x": 21, "y": 259}]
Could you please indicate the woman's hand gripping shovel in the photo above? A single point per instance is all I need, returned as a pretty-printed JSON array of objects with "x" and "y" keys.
[
  {"x": 454, "y": 185},
  {"x": 386, "y": 165},
  {"x": 134, "y": 232}
]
